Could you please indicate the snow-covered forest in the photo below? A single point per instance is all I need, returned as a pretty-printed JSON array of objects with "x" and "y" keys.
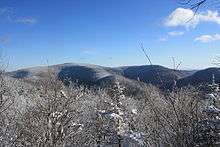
[{"x": 47, "y": 113}]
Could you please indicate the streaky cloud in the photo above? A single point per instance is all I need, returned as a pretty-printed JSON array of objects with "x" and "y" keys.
[{"x": 208, "y": 38}]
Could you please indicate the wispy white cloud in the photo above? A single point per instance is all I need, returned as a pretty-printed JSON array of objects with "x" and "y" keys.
[
  {"x": 87, "y": 51},
  {"x": 4, "y": 10},
  {"x": 8, "y": 14},
  {"x": 163, "y": 39},
  {"x": 176, "y": 33},
  {"x": 170, "y": 35},
  {"x": 26, "y": 20},
  {"x": 208, "y": 38},
  {"x": 187, "y": 18}
]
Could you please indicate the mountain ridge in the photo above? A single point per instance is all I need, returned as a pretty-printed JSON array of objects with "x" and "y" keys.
[{"x": 90, "y": 74}]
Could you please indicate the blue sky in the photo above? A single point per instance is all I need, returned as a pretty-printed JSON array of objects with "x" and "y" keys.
[{"x": 107, "y": 32}]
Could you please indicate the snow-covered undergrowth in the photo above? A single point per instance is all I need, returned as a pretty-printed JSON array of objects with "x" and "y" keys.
[{"x": 47, "y": 113}]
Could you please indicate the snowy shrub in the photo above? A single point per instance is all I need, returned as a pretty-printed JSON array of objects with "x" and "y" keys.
[{"x": 47, "y": 113}]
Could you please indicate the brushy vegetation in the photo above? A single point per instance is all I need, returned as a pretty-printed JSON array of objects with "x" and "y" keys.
[{"x": 47, "y": 113}]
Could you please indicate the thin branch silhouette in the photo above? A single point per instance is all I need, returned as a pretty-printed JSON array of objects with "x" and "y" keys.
[{"x": 145, "y": 53}]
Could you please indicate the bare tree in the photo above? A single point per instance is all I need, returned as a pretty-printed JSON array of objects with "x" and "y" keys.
[
  {"x": 51, "y": 116},
  {"x": 169, "y": 119},
  {"x": 197, "y": 4},
  {"x": 7, "y": 108}
]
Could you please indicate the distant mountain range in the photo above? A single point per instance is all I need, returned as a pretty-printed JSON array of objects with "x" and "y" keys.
[{"x": 89, "y": 74}]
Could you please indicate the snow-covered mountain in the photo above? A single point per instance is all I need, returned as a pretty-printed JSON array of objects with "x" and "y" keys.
[{"x": 90, "y": 74}]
